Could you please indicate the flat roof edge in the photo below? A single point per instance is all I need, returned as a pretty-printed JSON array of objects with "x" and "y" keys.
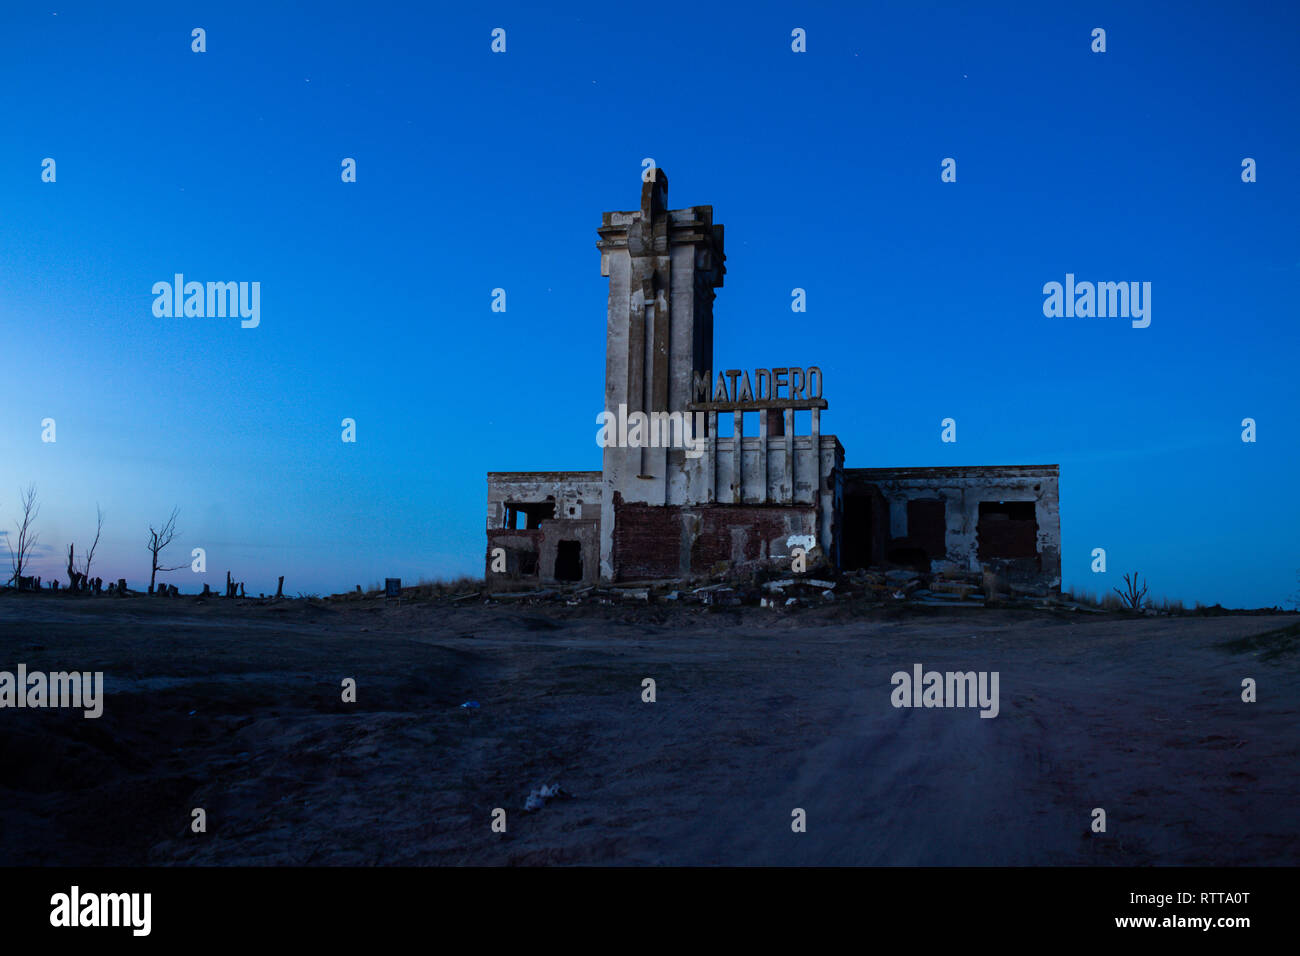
[
  {"x": 594, "y": 475},
  {"x": 953, "y": 470}
]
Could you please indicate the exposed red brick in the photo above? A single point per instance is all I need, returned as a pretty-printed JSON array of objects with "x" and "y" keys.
[{"x": 648, "y": 539}]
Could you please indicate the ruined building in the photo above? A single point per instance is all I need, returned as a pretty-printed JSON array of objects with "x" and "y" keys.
[{"x": 675, "y": 498}]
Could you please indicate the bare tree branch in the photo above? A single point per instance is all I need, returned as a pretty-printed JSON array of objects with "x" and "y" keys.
[
  {"x": 90, "y": 555},
  {"x": 158, "y": 539},
  {"x": 1131, "y": 596},
  {"x": 18, "y": 560}
]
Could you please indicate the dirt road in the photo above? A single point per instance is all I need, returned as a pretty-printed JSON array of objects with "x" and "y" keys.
[{"x": 238, "y": 710}]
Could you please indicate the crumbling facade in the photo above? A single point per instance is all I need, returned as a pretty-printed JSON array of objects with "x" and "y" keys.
[{"x": 675, "y": 498}]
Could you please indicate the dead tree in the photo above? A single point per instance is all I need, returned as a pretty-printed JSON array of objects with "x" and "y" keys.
[
  {"x": 1131, "y": 596},
  {"x": 27, "y": 538},
  {"x": 75, "y": 577},
  {"x": 90, "y": 554},
  {"x": 158, "y": 540},
  {"x": 279, "y": 588}
]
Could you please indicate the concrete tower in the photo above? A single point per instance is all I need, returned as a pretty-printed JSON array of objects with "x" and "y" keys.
[{"x": 663, "y": 266}]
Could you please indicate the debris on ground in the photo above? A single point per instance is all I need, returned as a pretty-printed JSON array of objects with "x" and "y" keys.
[
  {"x": 772, "y": 584},
  {"x": 540, "y": 797}
]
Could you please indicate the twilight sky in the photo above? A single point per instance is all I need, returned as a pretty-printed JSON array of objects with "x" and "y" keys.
[{"x": 478, "y": 170}]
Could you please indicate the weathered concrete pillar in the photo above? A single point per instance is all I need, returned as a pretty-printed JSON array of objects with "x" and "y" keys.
[
  {"x": 738, "y": 458},
  {"x": 788, "y": 496},
  {"x": 817, "y": 452},
  {"x": 711, "y": 465}
]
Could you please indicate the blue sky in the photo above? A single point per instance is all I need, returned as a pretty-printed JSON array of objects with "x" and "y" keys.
[{"x": 478, "y": 170}]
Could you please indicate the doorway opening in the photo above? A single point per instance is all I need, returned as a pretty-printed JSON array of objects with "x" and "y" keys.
[{"x": 568, "y": 561}]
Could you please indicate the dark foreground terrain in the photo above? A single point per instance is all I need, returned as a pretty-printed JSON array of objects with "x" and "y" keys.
[{"x": 236, "y": 709}]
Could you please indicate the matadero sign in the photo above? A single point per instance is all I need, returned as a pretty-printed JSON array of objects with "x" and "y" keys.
[{"x": 772, "y": 388}]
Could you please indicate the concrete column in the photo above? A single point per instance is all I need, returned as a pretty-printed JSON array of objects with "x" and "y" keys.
[
  {"x": 817, "y": 450},
  {"x": 711, "y": 461},
  {"x": 762, "y": 453},
  {"x": 788, "y": 497},
  {"x": 738, "y": 459}
]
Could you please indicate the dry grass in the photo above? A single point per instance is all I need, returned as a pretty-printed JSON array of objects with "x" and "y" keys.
[
  {"x": 424, "y": 589},
  {"x": 1083, "y": 596},
  {"x": 1112, "y": 602},
  {"x": 1108, "y": 602},
  {"x": 442, "y": 587}
]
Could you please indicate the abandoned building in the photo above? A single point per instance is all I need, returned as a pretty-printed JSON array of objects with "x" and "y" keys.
[{"x": 685, "y": 498}]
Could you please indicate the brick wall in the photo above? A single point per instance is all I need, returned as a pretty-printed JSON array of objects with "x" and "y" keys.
[
  {"x": 648, "y": 539},
  {"x": 746, "y": 532}
]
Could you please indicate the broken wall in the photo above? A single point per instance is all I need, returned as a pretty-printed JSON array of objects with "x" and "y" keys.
[
  {"x": 1004, "y": 518},
  {"x": 572, "y": 514},
  {"x": 657, "y": 541},
  {"x": 578, "y": 564}
]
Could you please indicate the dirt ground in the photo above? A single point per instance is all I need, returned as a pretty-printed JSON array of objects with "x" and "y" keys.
[{"x": 237, "y": 709}]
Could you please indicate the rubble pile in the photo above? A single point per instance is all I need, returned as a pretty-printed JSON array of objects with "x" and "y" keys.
[{"x": 767, "y": 588}]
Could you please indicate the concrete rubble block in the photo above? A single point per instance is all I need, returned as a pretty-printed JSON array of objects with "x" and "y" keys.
[
  {"x": 1028, "y": 590},
  {"x": 951, "y": 587},
  {"x": 935, "y": 602},
  {"x": 722, "y": 596},
  {"x": 942, "y": 597}
]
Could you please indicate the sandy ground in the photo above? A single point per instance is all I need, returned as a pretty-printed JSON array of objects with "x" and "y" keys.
[{"x": 237, "y": 709}]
